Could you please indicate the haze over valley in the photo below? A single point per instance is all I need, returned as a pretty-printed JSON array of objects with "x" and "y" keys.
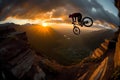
[{"x": 60, "y": 43}]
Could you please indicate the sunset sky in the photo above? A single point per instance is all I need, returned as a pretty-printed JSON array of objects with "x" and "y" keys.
[{"x": 55, "y": 11}]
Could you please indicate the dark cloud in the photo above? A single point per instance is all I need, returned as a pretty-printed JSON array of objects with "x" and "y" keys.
[
  {"x": 31, "y": 9},
  {"x": 93, "y": 9},
  {"x": 28, "y": 8}
]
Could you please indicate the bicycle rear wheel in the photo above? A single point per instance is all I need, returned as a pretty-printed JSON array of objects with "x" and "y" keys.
[{"x": 87, "y": 21}]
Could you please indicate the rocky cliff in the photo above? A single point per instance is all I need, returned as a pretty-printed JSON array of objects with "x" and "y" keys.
[
  {"x": 17, "y": 58},
  {"x": 117, "y": 53}
]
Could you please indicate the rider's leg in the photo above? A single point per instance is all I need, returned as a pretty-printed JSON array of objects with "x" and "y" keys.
[
  {"x": 79, "y": 20},
  {"x": 75, "y": 19},
  {"x": 72, "y": 20}
]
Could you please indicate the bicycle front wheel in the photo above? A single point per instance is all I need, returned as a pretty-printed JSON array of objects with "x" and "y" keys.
[{"x": 76, "y": 30}]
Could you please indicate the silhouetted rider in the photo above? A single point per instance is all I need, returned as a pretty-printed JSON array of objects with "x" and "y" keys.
[{"x": 75, "y": 16}]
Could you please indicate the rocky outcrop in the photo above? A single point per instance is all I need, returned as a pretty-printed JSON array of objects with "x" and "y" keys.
[
  {"x": 117, "y": 53},
  {"x": 16, "y": 55},
  {"x": 97, "y": 53}
]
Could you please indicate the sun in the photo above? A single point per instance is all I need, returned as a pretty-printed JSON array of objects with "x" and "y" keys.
[{"x": 44, "y": 24}]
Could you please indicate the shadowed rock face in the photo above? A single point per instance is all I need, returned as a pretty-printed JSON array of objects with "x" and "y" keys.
[
  {"x": 16, "y": 56},
  {"x": 117, "y": 53},
  {"x": 17, "y": 59}
]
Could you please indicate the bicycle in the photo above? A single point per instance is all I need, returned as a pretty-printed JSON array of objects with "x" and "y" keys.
[{"x": 86, "y": 21}]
